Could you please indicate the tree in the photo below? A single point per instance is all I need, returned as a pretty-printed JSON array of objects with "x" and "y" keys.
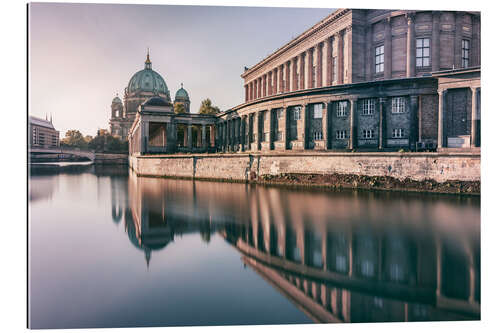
[
  {"x": 74, "y": 138},
  {"x": 206, "y": 107},
  {"x": 108, "y": 143},
  {"x": 179, "y": 108}
]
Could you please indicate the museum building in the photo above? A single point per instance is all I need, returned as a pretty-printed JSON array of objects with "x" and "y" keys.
[
  {"x": 367, "y": 79},
  {"x": 372, "y": 80}
]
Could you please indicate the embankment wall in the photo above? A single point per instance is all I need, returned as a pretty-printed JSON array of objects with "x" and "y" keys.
[{"x": 439, "y": 166}]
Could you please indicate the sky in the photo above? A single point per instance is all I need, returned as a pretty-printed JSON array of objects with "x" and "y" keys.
[{"x": 82, "y": 55}]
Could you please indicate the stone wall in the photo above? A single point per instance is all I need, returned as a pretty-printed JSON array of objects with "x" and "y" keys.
[{"x": 246, "y": 167}]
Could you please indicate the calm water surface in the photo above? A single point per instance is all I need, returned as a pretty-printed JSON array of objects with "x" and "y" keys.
[{"x": 110, "y": 249}]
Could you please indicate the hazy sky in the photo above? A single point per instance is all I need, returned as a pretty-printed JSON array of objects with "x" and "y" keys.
[{"x": 83, "y": 54}]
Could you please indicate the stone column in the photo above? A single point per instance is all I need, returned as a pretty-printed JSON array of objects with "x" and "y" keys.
[
  {"x": 280, "y": 79},
  {"x": 353, "y": 126},
  {"x": 435, "y": 44},
  {"x": 295, "y": 82},
  {"x": 388, "y": 49},
  {"x": 185, "y": 136},
  {"x": 255, "y": 89},
  {"x": 319, "y": 65},
  {"x": 190, "y": 136},
  {"x": 246, "y": 92},
  {"x": 264, "y": 85},
  {"x": 381, "y": 127},
  {"x": 204, "y": 137},
  {"x": 413, "y": 121},
  {"x": 305, "y": 128},
  {"x": 369, "y": 53},
  {"x": 329, "y": 61},
  {"x": 259, "y": 129},
  {"x": 242, "y": 133},
  {"x": 324, "y": 123},
  {"x": 473, "y": 127},
  {"x": 145, "y": 137},
  {"x": 410, "y": 46},
  {"x": 458, "y": 40},
  {"x": 259, "y": 87},
  {"x": 275, "y": 81},
  {"x": 286, "y": 127},
  {"x": 212, "y": 135},
  {"x": 475, "y": 56},
  {"x": 287, "y": 77},
  {"x": 269, "y": 84},
  {"x": 340, "y": 57},
  {"x": 441, "y": 114},
  {"x": 302, "y": 70},
  {"x": 310, "y": 68}
]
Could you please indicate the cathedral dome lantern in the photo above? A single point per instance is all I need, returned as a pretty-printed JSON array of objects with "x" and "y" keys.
[
  {"x": 182, "y": 97},
  {"x": 147, "y": 80},
  {"x": 181, "y": 94},
  {"x": 116, "y": 100}
]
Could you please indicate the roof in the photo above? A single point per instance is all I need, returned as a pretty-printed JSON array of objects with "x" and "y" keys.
[
  {"x": 328, "y": 19},
  {"x": 156, "y": 101},
  {"x": 40, "y": 122}
]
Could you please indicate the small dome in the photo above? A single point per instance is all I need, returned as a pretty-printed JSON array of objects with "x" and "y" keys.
[
  {"x": 156, "y": 101},
  {"x": 117, "y": 100},
  {"x": 181, "y": 94}
]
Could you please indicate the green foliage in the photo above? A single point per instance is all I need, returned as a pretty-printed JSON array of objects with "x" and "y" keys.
[
  {"x": 206, "y": 107},
  {"x": 108, "y": 143},
  {"x": 179, "y": 108},
  {"x": 100, "y": 143},
  {"x": 74, "y": 139}
]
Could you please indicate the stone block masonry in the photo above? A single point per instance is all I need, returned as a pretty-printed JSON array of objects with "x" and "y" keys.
[{"x": 439, "y": 167}]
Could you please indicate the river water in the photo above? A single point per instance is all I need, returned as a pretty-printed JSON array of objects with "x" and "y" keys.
[{"x": 110, "y": 249}]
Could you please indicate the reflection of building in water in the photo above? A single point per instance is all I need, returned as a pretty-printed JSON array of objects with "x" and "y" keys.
[
  {"x": 348, "y": 257},
  {"x": 359, "y": 272},
  {"x": 154, "y": 216}
]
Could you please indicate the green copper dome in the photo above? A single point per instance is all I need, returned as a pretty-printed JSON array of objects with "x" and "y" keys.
[
  {"x": 181, "y": 94},
  {"x": 147, "y": 80},
  {"x": 117, "y": 99}
]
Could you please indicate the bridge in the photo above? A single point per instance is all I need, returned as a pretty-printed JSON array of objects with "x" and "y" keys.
[{"x": 90, "y": 154}]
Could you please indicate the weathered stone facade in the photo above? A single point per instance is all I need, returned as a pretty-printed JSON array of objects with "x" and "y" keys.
[
  {"x": 385, "y": 65},
  {"x": 246, "y": 167}
]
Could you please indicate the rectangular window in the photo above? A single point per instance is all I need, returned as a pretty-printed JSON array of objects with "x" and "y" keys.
[
  {"x": 465, "y": 53},
  {"x": 367, "y": 134},
  {"x": 296, "y": 112},
  {"x": 368, "y": 107},
  {"x": 340, "y": 135},
  {"x": 379, "y": 59},
  {"x": 398, "y": 132},
  {"x": 398, "y": 105},
  {"x": 318, "y": 135},
  {"x": 423, "y": 56},
  {"x": 318, "y": 111},
  {"x": 342, "y": 109},
  {"x": 334, "y": 69}
]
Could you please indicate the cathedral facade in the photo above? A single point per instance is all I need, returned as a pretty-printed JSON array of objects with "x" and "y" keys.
[{"x": 143, "y": 85}]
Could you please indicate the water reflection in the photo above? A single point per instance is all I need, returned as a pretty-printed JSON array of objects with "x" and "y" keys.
[
  {"x": 339, "y": 257},
  {"x": 183, "y": 249}
]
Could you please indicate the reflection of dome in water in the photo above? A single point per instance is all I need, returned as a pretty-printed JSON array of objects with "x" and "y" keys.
[{"x": 146, "y": 243}]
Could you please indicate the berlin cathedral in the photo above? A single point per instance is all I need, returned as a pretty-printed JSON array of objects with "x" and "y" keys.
[{"x": 144, "y": 84}]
